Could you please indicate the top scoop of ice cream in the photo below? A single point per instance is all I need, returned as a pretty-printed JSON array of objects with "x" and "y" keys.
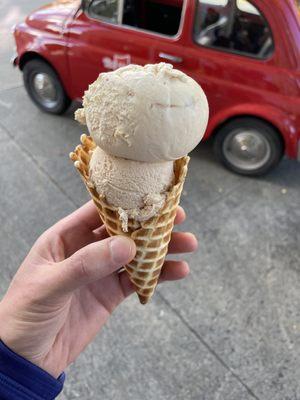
[{"x": 153, "y": 113}]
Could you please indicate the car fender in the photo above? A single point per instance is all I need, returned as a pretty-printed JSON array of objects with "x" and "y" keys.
[
  {"x": 280, "y": 120},
  {"x": 51, "y": 49},
  {"x": 48, "y": 41}
]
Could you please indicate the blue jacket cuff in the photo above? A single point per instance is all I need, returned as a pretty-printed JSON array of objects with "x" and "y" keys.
[{"x": 22, "y": 380}]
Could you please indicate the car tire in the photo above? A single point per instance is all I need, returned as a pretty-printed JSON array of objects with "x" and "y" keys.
[
  {"x": 248, "y": 146},
  {"x": 44, "y": 87}
]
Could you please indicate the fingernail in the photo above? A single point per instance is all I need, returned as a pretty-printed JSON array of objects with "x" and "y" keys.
[{"x": 122, "y": 249}]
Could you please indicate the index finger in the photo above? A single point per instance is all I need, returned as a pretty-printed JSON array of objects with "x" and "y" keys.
[
  {"x": 75, "y": 231},
  {"x": 86, "y": 217},
  {"x": 80, "y": 224}
]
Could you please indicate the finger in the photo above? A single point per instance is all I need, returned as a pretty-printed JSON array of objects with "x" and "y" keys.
[
  {"x": 171, "y": 271},
  {"x": 76, "y": 230},
  {"x": 100, "y": 233},
  {"x": 182, "y": 242},
  {"x": 174, "y": 270},
  {"x": 180, "y": 216},
  {"x": 83, "y": 227},
  {"x": 86, "y": 217},
  {"x": 91, "y": 263}
]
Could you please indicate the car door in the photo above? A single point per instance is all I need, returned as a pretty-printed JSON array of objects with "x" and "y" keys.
[
  {"x": 230, "y": 51},
  {"x": 97, "y": 43},
  {"x": 170, "y": 46},
  {"x": 108, "y": 34}
]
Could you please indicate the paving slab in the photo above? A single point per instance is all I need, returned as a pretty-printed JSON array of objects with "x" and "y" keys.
[
  {"x": 4, "y": 137},
  {"x": 47, "y": 138},
  {"x": 147, "y": 352},
  {"x": 243, "y": 294},
  {"x": 13, "y": 248},
  {"x": 29, "y": 200}
]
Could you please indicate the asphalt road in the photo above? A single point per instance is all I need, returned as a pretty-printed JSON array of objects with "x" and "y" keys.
[{"x": 231, "y": 330}]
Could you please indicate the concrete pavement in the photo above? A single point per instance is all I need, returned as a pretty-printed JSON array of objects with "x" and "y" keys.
[{"x": 231, "y": 330}]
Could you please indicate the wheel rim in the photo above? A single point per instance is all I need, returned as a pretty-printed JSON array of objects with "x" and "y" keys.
[
  {"x": 247, "y": 149},
  {"x": 44, "y": 89}
]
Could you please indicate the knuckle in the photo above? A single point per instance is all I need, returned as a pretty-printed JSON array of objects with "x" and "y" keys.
[
  {"x": 53, "y": 241},
  {"x": 81, "y": 267}
]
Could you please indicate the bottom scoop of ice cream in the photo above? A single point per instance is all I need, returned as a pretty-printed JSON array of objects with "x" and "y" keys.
[{"x": 137, "y": 188}]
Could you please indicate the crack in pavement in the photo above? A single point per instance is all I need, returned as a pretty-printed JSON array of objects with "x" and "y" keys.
[
  {"x": 224, "y": 196},
  {"x": 5, "y": 104},
  {"x": 208, "y": 347},
  {"x": 5, "y": 89}
]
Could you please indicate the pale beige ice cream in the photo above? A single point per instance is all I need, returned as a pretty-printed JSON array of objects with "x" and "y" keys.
[
  {"x": 152, "y": 113},
  {"x": 136, "y": 188},
  {"x": 141, "y": 119}
]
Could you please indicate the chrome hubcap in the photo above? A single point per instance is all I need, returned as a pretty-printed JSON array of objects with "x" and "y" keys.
[
  {"x": 45, "y": 89},
  {"x": 246, "y": 148}
]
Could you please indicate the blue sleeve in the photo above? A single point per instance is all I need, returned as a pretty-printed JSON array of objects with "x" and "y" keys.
[{"x": 22, "y": 380}]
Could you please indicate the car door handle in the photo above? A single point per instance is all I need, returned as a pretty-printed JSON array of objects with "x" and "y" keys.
[{"x": 170, "y": 57}]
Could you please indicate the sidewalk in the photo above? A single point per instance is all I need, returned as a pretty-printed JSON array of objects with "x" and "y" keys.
[{"x": 229, "y": 331}]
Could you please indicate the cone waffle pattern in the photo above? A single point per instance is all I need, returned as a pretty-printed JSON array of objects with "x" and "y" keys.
[{"x": 151, "y": 237}]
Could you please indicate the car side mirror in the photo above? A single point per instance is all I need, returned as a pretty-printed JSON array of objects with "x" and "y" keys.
[
  {"x": 99, "y": 5},
  {"x": 103, "y": 9},
  {"x": 85, "y": 4},
  {"x": 100, "y": 2}
]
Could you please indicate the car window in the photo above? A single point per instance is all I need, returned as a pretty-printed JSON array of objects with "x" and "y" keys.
[
  {"x": 160, "y": 16},
  {"x": 233, "y": 25}
]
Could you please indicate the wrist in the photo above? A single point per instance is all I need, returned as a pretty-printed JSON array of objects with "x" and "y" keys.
[
  {"x": 25, "y": 350},
  {"x": 51, "y": 367},
  {"x": 25, "y": 340},
  {"x": 26, "y": 379}
]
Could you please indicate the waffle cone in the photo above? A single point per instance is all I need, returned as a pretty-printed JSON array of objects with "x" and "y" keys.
[{"x": 151, "y": 237}]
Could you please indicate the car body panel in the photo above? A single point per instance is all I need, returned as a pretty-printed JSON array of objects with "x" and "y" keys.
[
  {"x": 80, "y": 47},
  {"x": 51, "y": 17},
  {"x": 96, "y": 47}
]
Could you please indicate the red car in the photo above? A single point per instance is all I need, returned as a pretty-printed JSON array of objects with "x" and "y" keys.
[{"x": 245, "y": 54}]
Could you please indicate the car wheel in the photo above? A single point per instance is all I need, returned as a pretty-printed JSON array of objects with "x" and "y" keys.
[
  {"x": 44, "y": 87},
  {"x": 248, "y": 146}
]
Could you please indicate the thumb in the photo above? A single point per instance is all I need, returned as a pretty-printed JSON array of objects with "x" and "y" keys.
[{"x": 93, "y": 262}]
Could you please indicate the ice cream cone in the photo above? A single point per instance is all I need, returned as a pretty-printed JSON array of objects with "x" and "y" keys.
[{"x": 151, "y": 237}]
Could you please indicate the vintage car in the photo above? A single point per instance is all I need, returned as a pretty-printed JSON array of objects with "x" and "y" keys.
[{"x": 245, "y": 54}]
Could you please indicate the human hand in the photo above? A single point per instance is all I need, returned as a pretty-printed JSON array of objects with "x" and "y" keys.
[{"x": 69, "y": 284}]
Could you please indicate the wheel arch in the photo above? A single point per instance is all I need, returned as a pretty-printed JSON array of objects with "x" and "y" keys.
[
  {"x": 63, "y": 100},
  {"x": 32, "y": 55}
]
